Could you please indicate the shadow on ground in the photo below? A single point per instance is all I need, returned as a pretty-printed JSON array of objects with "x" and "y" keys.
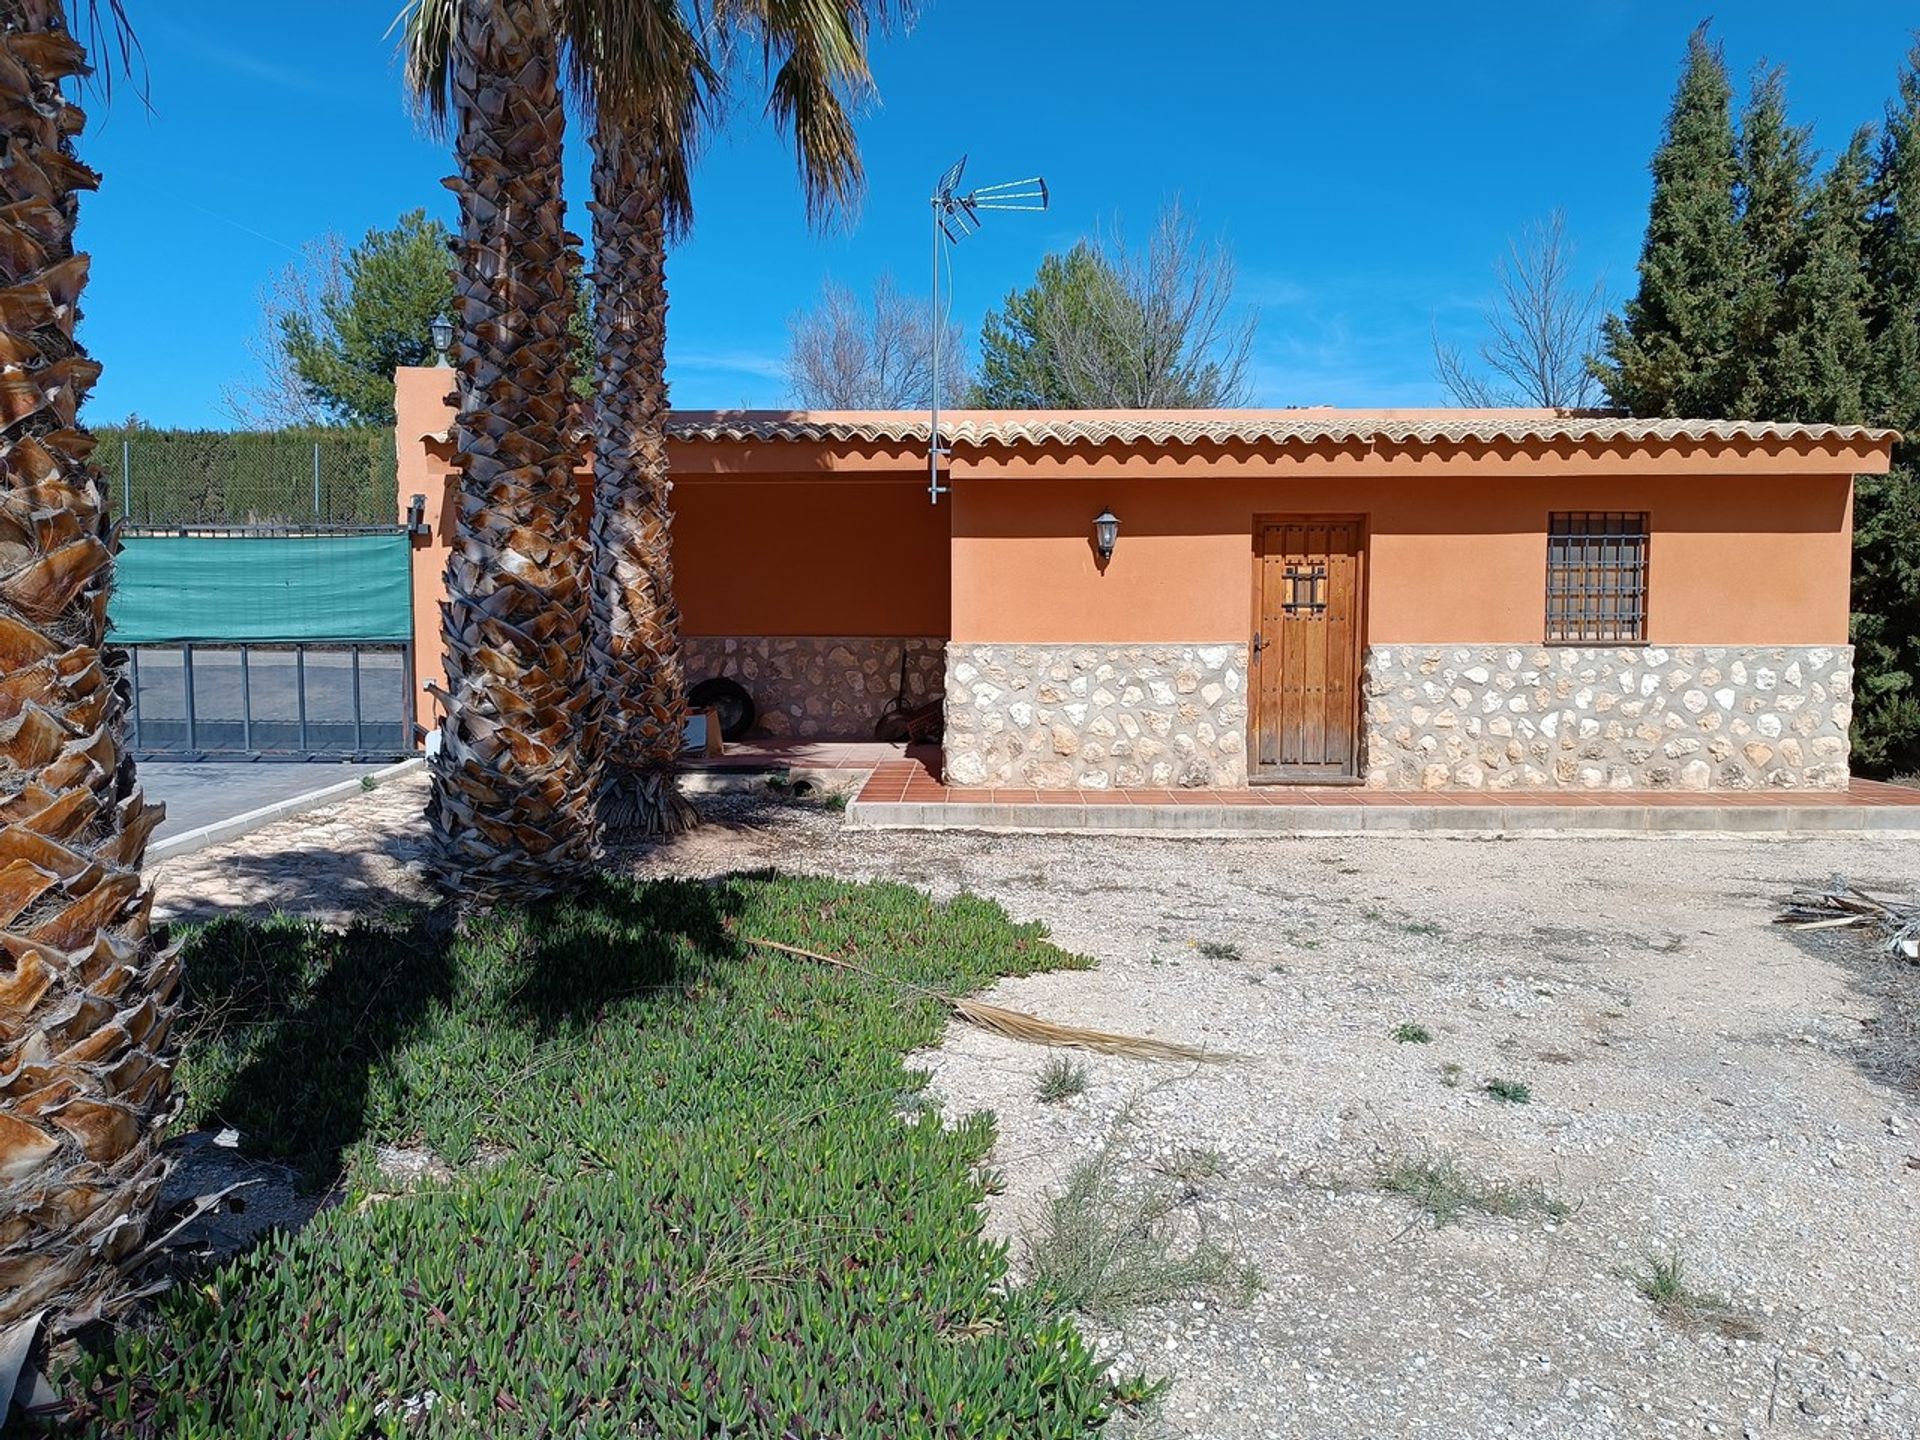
[{"x": 385, "y": 872}]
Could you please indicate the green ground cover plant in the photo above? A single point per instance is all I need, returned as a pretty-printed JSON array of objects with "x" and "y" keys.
[{"x": 692, "y": 1193}]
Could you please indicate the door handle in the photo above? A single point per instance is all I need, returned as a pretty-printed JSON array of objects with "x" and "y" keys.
[{"x": 1259, "y": 643}]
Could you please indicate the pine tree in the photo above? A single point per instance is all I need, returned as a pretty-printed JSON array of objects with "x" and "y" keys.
[
  {"x": 1670, "y": 353},
  {"x": 1018, "y": 367}
]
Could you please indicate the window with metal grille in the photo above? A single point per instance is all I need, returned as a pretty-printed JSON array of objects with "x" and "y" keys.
[{"x": 1596, "y": 576}]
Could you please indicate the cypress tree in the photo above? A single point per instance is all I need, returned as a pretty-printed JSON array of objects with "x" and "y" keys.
[
  {"x": 1771, "y": 200},
  {"x": 1893, "y": 254},
  {"x": 1670, "y": 352},
  {"x": 1886, "y": 517},
  {"x": 1821, "y": 354}
]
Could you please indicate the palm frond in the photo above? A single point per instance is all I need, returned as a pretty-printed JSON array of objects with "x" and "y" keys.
[
  {"x": 426, "y": 29},
  {"x": 105, "y": 29},
  {"x": 1017, "y": 1024},
  {"x": 814, "y": 53},
  {"x": 643, "y": 66}
]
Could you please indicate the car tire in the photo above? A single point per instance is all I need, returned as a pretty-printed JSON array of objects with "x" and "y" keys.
[{"x": 730, "y": 699}]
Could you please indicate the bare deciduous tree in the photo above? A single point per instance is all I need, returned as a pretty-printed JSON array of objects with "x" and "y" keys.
[
  {"x": 1158, "y": 330},
  {"x": 1540, "y": 329},
  {"x": 842, "y": 355},
  {"x": 277, "y": 396}
]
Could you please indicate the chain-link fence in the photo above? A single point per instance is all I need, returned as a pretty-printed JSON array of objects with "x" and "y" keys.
[{"x": 265, "y": 477}]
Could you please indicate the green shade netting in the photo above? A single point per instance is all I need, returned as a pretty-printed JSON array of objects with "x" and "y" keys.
[{"x": 268, "y": 588}]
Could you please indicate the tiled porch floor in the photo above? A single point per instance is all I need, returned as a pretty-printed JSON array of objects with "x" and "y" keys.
[{"x": 903, "y": 791}]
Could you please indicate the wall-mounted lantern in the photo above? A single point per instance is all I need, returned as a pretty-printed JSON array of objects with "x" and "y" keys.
[
  {"x": 1106, "y": 532},
  {"x": 441, "y": 331}
]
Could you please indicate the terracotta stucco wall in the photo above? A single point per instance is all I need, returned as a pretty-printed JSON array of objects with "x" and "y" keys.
[
  {"x": 1734, "y": 558},
  {"x": 782, "y": 540},
  {"x": 809, "y": 554}
]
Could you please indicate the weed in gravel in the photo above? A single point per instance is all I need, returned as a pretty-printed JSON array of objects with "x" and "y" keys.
[
  {"x": 1442, "y": 1188},
  {"x": 1412, "y": 1032},
  {"x": 368, "y": 784},
  {"x": 1451, "y": 1073},
  {"x": 1514, "y": 1092},
  {"x": 1421, "y": 927},
  {"x": 1218, "y": 949},
  {"x": 1104, "y": 1248},
  {"x": 1191, "y": 1166},
  {"x": 1662, "y": 1282},
  {"x": 1061, "y": 1078}
]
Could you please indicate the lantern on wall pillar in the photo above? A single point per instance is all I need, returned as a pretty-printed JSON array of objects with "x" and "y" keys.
[{"x": 1106, "y": 534}]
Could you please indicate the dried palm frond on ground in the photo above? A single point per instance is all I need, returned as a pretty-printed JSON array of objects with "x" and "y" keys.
[
  {"x": 1842, "y": 905},
  {"x": 1016, "y": 1024}
]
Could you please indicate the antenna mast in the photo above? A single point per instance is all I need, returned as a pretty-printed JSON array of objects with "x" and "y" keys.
[{"x": 956, "y": 216}]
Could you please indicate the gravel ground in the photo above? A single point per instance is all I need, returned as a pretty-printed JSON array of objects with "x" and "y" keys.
[{"x": 1703, "y": 1086}]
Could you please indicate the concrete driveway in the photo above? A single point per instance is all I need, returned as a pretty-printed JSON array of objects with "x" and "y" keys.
[{"x": 199, "y": 794}]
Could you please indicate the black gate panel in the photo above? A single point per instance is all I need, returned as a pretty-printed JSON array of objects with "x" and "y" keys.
[{"x": 313, "y": 701}]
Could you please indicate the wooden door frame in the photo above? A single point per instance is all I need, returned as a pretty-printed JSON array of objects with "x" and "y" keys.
[{"x": 1293, "y": 775}]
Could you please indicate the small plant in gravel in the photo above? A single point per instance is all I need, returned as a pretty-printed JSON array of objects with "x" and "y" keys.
[
  {"x": 1190, "y": 1167},
  {"x": 1061, "y": 1078},
  {"x": 1412, "y": 1032},
  {"x": 1218, "y": 950},
  {"x": 1104, "y": 1248},
  {"x": 1443, "y": 1188},
  {"x": 1451, "y": 1074},
  {"x": 368, "y": 784},
  {"x": 1662, "y": 1282},
  {"x": 1514, "y": 1092}
]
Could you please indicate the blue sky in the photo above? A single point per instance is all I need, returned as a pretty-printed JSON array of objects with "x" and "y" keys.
[{"x": 1365, "y": 163}]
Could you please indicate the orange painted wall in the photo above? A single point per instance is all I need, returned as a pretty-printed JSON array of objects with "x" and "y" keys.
[
  {"x": 1733, "y": 559},
  {"x": 768, "y": 540},
  {"x": 809, "y": 554}
]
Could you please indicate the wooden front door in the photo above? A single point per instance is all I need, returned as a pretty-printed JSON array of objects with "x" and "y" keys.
[{"x": 1306, "y": 710}]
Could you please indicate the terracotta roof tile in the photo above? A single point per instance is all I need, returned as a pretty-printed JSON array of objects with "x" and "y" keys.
[{"x": 1305, "y": 428}]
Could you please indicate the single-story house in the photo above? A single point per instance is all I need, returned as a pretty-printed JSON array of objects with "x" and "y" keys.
[{"x": 1447, "y": 599}]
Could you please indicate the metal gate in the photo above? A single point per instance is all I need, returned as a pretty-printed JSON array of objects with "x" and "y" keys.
[
  {"x": 267, "y": 643},
  {"x": 278, "y": 702}
]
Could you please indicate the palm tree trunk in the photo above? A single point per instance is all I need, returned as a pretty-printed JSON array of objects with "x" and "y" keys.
[
  {"x": 636, "y": 623},
  {"x": 512, "y": 807},
  {"x": 88, "y": 992}
]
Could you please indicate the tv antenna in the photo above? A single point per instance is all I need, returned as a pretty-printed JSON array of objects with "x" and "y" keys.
[{"x": 955, "y": 217}]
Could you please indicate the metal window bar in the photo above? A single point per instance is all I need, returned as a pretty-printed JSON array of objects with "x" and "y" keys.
[
  {"x": 246, "y": 703},
  {"x": 1597, "y": 577},
  {"x": 186, "y": 672}
]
